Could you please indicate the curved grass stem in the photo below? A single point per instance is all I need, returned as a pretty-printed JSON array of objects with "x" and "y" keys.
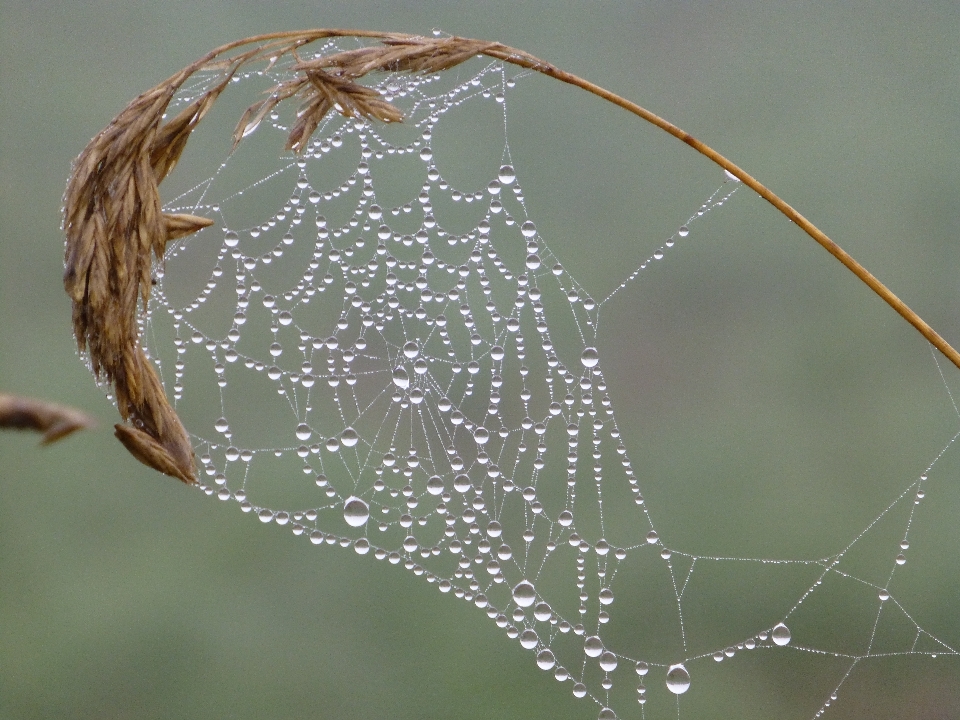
[{"x": 869, "y": 279}]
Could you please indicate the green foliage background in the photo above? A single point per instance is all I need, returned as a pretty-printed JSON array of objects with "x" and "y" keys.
[{"x": 774, "y": 404}]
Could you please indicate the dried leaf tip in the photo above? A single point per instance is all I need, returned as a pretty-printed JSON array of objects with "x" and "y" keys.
[
  {"x": 53, "y": 420},
  {"x": 146, "y": 449},
  {"x": 181, "y": 225}
]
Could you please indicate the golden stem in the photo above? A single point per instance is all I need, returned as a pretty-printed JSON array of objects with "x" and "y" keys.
[{"x": 520, "y": 58}]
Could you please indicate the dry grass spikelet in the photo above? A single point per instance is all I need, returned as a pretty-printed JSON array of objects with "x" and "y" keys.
[
  {"x": 53, "y": 420},
  {"x": 116, "y": 229}
]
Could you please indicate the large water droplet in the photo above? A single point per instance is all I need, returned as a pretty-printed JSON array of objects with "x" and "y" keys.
[
  {"x": 303, "y": 431},
  {"x": 507, "y": 174},
  {"x": 529, "y": 639},
  {"x": 355, "y": 511},
  {"x": 590, "y": 357},
  {"x": 542, "y": 612},
  {"x": 607, "y": 714},
  {"x": 608, "y": 661},
  {"x": 401, "y": 378},
  {"x": 593, "y": 646},
  {"x": 435, "y": 485},
  {"x": 349, "y": 437},
  {"x": 524, "y": 593},
  {"x": 411, "y": 349},
  {"x": 528, "y": 229},
  {"x": 546, "y": 660},
  {"x": 678, "y": 679},
  {"x": 780, "y": 634}
]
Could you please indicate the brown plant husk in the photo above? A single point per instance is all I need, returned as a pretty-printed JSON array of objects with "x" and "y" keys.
[
  {"x": 53, "y": 420},
  {"x": 116, "y": 229}
]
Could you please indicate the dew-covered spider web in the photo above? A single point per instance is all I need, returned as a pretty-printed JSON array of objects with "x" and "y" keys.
[{"x": 380, "y": 351}]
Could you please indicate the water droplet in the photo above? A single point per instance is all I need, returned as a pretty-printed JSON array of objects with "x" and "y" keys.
[
  {"x": 303, "y": 431},
  {"x": 606, "y": 596},
  {"x": 579, "y": 690},
  {"x": 221, "y": 425},
  {"x": 401, "y": 378},
  {"x": 678, "y": 679},
  {"x": 884, "y": 595},
  {"x": 608, "y": 661},
  {"x": 642, "y": 668},
  {"x": 355, "y": 511},
  {"x": 349, "y": 437},
  {"x": 507, "y": 174},
  {"x": 780, "y": 634},
  {"x": 528, "y": 229},
  {"x": 590, "y": 357},
  {"x": 411, "y": 349},
  {"x": 683, "y": 231},
  {"x": 652, "y": 537},
  {"x": 593, "y": 646},
  {"x": 542, "y": 612},
  {"x": 529, "y": 639},
  {"x": 546, "y": 660},
  {"x": 250, "y": 127},
  {"x": 524, "y": 593},
  {"x": 607, "y": 714},
  {"x": 231, "y": 239},
  {"x": 435, "y": 485}
]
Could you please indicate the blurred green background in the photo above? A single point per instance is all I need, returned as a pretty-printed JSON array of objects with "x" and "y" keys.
[{"x": 774, "y": 406}]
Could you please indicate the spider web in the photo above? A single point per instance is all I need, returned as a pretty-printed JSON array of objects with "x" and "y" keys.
[{"x": 373, "y": 355}]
